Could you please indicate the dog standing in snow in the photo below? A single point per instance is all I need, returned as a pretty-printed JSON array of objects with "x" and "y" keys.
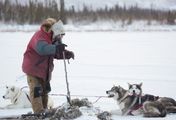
[{"x": 20, "y": 98}]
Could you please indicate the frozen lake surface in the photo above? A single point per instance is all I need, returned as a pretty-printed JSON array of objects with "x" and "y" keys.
[{"x": 102, "y": 59}]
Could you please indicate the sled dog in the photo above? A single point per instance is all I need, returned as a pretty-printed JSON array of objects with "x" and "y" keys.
[
  {"x": 134, "y": 105},
  {"x": 135, "y": 89},
  {"x": 20, "y": 98},
  {"x": 168, "y": 103}
]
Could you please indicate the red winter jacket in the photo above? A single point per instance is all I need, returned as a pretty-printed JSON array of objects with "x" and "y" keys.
[{"x": 35, "y": 64}]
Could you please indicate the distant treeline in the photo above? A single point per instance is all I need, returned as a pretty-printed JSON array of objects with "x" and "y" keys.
[{"x": 34, "y": 13}]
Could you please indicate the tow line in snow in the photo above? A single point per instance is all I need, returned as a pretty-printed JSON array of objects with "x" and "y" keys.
[{"x": 98, "y": 97}]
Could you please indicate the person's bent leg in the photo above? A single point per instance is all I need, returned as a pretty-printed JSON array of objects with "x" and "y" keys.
[{"x": 35, "y": 94}]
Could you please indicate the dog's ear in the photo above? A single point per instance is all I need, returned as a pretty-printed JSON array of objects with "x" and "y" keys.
[
  {"x": 140, "y": 84},
  {"x": 13, "y": 89}
]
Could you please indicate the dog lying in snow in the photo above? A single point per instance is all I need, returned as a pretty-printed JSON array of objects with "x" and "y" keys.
[
  {"x": 169, "y": 104},
  {"x": 20, "y": 98},
  {"x": 133, "y": 102}
]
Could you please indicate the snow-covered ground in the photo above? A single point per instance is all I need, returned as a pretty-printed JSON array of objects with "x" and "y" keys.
[
  {"x": 101, "y": 60},
  {"x": 96, "y": 26}
]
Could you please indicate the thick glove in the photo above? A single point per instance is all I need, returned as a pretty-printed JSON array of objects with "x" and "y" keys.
[
  {"x": 59, "y": 51},
  {"x": 57, "y": 40},
  {"x": 60, "y": 48},
  {"x": 69, "y": 54}
]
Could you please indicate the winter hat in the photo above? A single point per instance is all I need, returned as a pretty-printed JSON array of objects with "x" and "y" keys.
[
  {"x": 58, "y": 28},
  {"x": 49, "y": 22}
]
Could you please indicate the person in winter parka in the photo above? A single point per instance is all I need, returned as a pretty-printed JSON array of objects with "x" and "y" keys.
[{"x": 45, "y": 45}]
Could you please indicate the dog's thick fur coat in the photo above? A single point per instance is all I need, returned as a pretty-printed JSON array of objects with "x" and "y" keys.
[
  {"x": 19, "y": 98},
  {"x": 127, "y": 103},
  {"x": 168, "y": 103}
]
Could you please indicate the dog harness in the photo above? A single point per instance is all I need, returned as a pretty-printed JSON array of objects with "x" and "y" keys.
[{"x": 140, "y": 100}]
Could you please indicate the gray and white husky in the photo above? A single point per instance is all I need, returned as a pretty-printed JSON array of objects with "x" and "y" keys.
[
  {"x": 168, "y": 103},
  {"x": 134, "y": 104}
]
